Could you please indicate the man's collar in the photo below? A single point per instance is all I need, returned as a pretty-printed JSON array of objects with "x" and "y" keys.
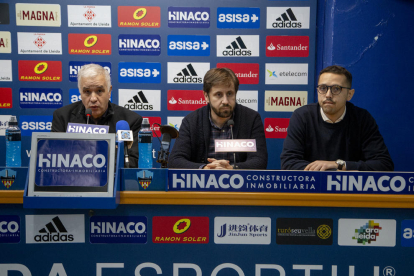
[{"x": 326, "y": 119}]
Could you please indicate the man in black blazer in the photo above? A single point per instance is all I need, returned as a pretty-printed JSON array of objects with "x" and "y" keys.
[
  {"x": 94, "y": 84},
  {"x": 194, "y": 147}
]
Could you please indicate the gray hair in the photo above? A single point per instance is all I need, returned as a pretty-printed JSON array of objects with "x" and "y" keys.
[{"x": 93, "y": 70}]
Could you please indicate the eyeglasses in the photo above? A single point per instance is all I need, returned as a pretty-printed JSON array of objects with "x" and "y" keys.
[{"x": 335, "y": 89}]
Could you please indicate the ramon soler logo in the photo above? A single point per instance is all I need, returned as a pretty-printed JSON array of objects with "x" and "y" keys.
[
  {"x": 180, "y": 230},
  {"x": 90, "y": 41},
  {"x": 367, "y": 233},
  {"x": 41, "y": 67}
]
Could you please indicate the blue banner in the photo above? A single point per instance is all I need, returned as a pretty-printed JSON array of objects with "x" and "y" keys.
[
  {"x": 238, "y": 18},
  {"x": 188, "y": 17},
  {"x": 189, "y": 45},
  {"x": 72, "y": 163},
  {"x": 140, "y": 72},
  {"x": 29, "y": 124},
  {"x": 40, "y": 98},
  {"x": 139, "y": 45}
]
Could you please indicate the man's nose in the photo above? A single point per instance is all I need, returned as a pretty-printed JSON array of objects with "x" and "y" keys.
[
  {"x": 329, "y": 92},
  {"x": 93, "y": 97},
  {"x": 225, "y": 100}
]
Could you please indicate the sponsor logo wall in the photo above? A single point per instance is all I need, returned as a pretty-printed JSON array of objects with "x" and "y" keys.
[{"x": 166, "y": 48}]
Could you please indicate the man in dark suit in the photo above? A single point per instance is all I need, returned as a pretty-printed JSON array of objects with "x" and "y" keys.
[
  {"x": 95, "y": 87},
  {"x": 194, "y": 147}
]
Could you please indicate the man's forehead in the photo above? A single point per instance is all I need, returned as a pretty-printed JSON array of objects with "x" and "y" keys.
[
  {"x": 223, "y": 87},
  {"x": 332, "y": 76},
  {"x": 91, "y": 82}
]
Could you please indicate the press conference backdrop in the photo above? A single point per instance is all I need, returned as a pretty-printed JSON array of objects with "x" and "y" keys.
[{"x": 157, "y": 53}]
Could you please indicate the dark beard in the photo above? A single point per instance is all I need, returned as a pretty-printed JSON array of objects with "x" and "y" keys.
[{"x": 223, "y": 114}]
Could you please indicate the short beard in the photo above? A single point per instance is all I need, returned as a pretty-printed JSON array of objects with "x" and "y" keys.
[{"x": 223, "y": 114}]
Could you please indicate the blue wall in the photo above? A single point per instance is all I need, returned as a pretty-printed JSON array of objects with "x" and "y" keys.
[{"x": 374, "y": 41}]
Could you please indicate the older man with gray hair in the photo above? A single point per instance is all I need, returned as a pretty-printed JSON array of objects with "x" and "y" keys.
[{"x": 95, "y": 88}]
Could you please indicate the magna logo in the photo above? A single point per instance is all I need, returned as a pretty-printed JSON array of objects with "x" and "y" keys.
[
  {"x": 75, "y": 66},
  {"x": 29, "y": 124},
  {"x": 186, "y": 17},
  {"x": 285, "y": 101},
  {"x": 140, "y": 100},
  {"x": 238, "y": 18},
  {"x": 40, "y": 98},
  {"x": 189, "y": 45},
  {"x": 55, "y": 229},
  {"x": 182, "y": 72},
  {"x": 9, "y": 229},
  {"x": 139, "y": 45},
  {"x": 118, "y": 229},
  {"x": 247, "y": 73},
  {"x": 6, "y": 100},
  {"x": 180, "y": 229},
  {"x": 48, "y": 15},
  {"x": 90, "y": 44},
  {"x": 276, "y": 127},
  {"x": 139, "y": 17},
  {"x": 288, "y": 18},
  {"x": 35, "y": 70},
  {"x": 287, "y": 46},
  {"x": 185, "y": 100},
  {"x": 238, "y": 46},
  {"x": 139, "y": 72}
]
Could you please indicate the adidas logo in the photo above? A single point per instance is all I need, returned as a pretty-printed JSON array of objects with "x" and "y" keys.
[
  {"x": 188, "y": 75},
  {"x": 286, "y": 20},
  {"x": 237, "y": 48},
  {"x": 54, "y": 231},
  {"x": 139, "y": 102}
]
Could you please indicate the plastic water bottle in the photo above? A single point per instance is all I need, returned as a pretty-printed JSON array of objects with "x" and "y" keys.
[
  {"x": 145, "y": 145},
  {"x": 13, "y": 144}
]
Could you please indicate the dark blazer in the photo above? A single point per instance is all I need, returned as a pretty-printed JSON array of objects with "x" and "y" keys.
[
  {"x": 191, "y": 147},
  {"x": 75, "y": 113}
]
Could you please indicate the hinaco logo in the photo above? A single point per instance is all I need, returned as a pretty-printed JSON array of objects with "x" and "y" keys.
[
  {"x": 40, "y": 43},
  {"x": 238, "y": 46},
  {"x": 287, "y": 46},
  {"x": 34, "y": 70},
  {"x": 9, "y": 229},
  {"x": 75, "y": 66},
  {"x": 55, "y": 229},
  {"x": 247, "y": 73},
  {"x": 139, "y": 17},
  {"x": 182, "y": 72},
  {"x": 89, "y": 16},
  {"x": 7, "y": 177},
  {"x": 242, "y": 230},
  {"x": 276, "y": 127},
  {"x": 139, "y": 72},
  {"x": 238, "y": 18},
  {"x": 40, "y": 98},
  {"x": 185, "y": 100},
  {"x": 6, "y": 70},
  {"x": 285, "y": 101},
  {"x": 5, "y": 42},
  {"x": 180, "y": 230},
  {"x": 367, "y": 232},
  {"x": 48, "y": 15},
  {"x": 186, "y": 17},
  {"x": 139, "y": 45},
  {"x": 288, "y": 18},
  {"x": 141, "y": 100},
  {"x": 6, "y": 100},
  {"x": 90, "y": 44}
]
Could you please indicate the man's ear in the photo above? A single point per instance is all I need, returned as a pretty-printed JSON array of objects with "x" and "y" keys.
[
  {"x": 350, "y": 94},
  {"x": 206, "y": 97}
]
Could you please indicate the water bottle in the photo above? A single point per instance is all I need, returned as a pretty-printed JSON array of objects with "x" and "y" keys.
[
  {"x": 145, "y": 145},
  {"x": 13, "y": 144}
]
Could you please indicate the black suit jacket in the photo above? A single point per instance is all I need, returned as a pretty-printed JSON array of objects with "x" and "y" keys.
[{"x": 75, "y": 113}]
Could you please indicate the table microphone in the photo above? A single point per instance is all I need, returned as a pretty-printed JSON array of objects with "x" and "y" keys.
[
  {"x": 88, "y": 113},
  {"x": 123, "y": 125},
  {"x": 230, "y": 123}
]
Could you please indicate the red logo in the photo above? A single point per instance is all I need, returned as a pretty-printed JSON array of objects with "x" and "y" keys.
[
  {"x": 6, "y": 98},
  {"x": 287, "y": 46},
  {"x": 180, "y": 229},
  {"x": 90, "y": 44},
  {"x": 247, "y": 73},
  {"x": 155, "y": 128},
  {"x": 139, "y": 17},
  {"x": 37, "y": 70},
  {"x": 89, "y": 15},
  {"x": 276, "y": 127},
  {"x": 187, "y": 100},
  {"x": 39, "y": 42}
]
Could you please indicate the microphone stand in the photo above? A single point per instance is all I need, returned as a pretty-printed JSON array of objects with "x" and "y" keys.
[{"x": 230, "y": 123}]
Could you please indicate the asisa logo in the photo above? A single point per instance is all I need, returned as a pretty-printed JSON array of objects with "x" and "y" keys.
[
  {"x": 186, "y": 17},
  {"x": 34, "y": 70},
  {"x": 238, "y": 46},
  {"x": 139, "y": 72},
  {"x": 29, "y": 124},
  {"x": 139, "y": 45},
  {"x": 189, "y": 45},
  {"x": 238, "y": 18}
]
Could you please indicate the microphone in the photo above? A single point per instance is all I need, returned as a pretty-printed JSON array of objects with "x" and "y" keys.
[
  {"x": 123, "y": 125},
  {"x": 168, "y": 133},
  {"x": 230, "y": 123},
  {"x": 88, "y": 113}
]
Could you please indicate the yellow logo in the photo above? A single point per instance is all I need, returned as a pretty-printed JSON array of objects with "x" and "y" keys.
[
  {"x": 144, "y": 13},
  {"x": 94, "y": 40},
  {"x": 39, "y": 65},
  {"x": 181, "y": 226},
  {"x": 324, "y": 231}
]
